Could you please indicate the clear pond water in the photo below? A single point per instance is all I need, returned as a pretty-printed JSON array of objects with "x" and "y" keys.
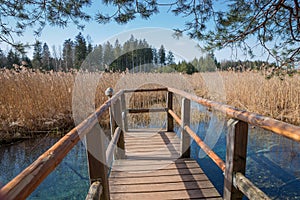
[{"x": 273, "y": 164}]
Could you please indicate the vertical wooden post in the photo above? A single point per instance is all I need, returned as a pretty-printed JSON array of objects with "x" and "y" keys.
[
  {"x": 98, "y": 170},
  {"x": 112, "y": 121},
  {"x": 124, "y": 113},
  {"x": 109, "y": 92},
  {"x": 236, "y": 153},
  {"x": 120, "y": 151},
  {"x": 170, "y": 121},
  {"x": 185, "y": 137}
]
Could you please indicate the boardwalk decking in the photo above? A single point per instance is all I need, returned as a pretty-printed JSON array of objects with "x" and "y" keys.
[{"x": 153, "y": 169}]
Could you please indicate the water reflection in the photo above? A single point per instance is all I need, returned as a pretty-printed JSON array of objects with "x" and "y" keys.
[
  {"x": 273, "y": 164},
  {"x": 68, "y": 181}
]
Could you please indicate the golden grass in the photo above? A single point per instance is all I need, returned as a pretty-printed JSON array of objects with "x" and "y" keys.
[
  {"x": 36, "y": 101},
  {"x": 276, "y": 97}
]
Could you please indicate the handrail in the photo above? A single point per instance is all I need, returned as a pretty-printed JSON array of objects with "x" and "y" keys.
[
  {"x": 29, "y": 179},
  {"x": 145, "y": 90},
  {"x": 112, "y": 145},
  {"x": 248, "y": 188},
  {"x": 281, "y": 128},
  {"x": 22, "y": 185},
  {"x": 95, "y": 191},
  {"x": 219, "y": 162}
]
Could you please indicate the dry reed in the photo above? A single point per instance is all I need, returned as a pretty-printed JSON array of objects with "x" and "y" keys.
[{"x": 36, "y": 101}]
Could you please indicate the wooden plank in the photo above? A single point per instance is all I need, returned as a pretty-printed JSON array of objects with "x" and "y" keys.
[
  {"x": 137, "y": 165},
  {"x": 146, "y": 110},
  {"x": 161, "y": 150},
  {"x": 146, "y": 162},
  {"x": 162, "y": 179},
  {"x": 158, "y": 173},
  {"x": 236, "y": 153},
  {"x": 170, "y": 121},
  {"x": 145, "y": 90},
  {"x": 153, "y": 170},
  {"x": 157, "y": 187},
  {"x": 98, "y": 170},
  {"x": 154, "y": 145},
  {"x": 177, "y": 194},
  {"x": 185, "y": 137}
]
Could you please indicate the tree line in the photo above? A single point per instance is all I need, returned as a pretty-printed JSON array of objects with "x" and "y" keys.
[
  {"x": 75, "y": 54},
  {"x": 135, "y": 55}
]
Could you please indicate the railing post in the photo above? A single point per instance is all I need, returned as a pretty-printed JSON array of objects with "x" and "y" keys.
[
  {"x": 96, "y": 155},
  {"x": 170, "y": 122},
  {"x": 185, "y": 137},
  {"x": 236, "y": 152},
  {"x": 120, "y": 151},
  {"x": 124, "y": 113},
  {"x": 109, "y": 92}
]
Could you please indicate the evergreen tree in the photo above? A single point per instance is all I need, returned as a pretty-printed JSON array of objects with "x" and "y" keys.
[
  {"x": 162, "y": 55},
  {"x": 117, "y": 54},
  {"x": 108, "y": 54},
  {"x": 12, "y": 59},
  {"x": 89, "y": 48},
  {"x": 68, "y": 55},
  {"x": 46, "y": 58},
  {"x": 3, "y": 59},
  {"x": 155, "y": 56},
  {"x": 80, "y": 50},
  {"x": 170, "y": 58},
  {"x": 37, "y": 55}
]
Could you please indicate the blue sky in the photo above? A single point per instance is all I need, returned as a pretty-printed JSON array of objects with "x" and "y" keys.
[{"x": 100, "y": 33}]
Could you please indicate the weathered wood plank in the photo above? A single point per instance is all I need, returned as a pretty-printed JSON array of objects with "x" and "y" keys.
[
  {"x": 158, "y": 173},
  {"x": 236, "y": 153},
  {"x": 154, "y": 166},
  {"x": 157, "y": 187},
  {"x": 170, "y": 121},
  {"x": 185, "y": 137},
  {"x": 177, "y": 194},
  {"x": 153, "y": 169},
  {"x": 162, "y": 179}
]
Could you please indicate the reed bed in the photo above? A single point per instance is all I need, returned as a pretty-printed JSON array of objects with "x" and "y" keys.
[
  {"x": 278, "y": 97},
  {"x": 33, "y": 102}
]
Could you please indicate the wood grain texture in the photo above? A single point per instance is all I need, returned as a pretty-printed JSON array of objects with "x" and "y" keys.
[{"x": 153, "y": 169}]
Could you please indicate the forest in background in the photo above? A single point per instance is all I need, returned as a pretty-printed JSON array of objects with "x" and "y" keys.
[{"x": 133, "y": 55}]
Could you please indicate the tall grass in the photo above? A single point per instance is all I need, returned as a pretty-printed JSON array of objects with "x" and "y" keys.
[
  {"x": 35, "y": 101},
  {"x": 278, "y": 97}
]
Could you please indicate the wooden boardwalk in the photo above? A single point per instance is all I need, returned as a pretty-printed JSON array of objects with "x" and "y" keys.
[
  {"x": 152, "y": 164},
  {"x": 153, "y": 169}
]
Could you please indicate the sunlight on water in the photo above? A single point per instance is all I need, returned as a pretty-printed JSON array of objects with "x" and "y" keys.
[
  {"x": 68, "y": 181},
  {"x": 273, "y": 164}
]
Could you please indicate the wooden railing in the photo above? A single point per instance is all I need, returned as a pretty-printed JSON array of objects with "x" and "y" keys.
[
  {"x": 235, "y": 183},
  {"x": 99, "y": 158}
]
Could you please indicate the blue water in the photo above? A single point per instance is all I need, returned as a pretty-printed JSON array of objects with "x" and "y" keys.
[
  {"x": 273, "y": 164},
  {"x": 68, "y": 181}
]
